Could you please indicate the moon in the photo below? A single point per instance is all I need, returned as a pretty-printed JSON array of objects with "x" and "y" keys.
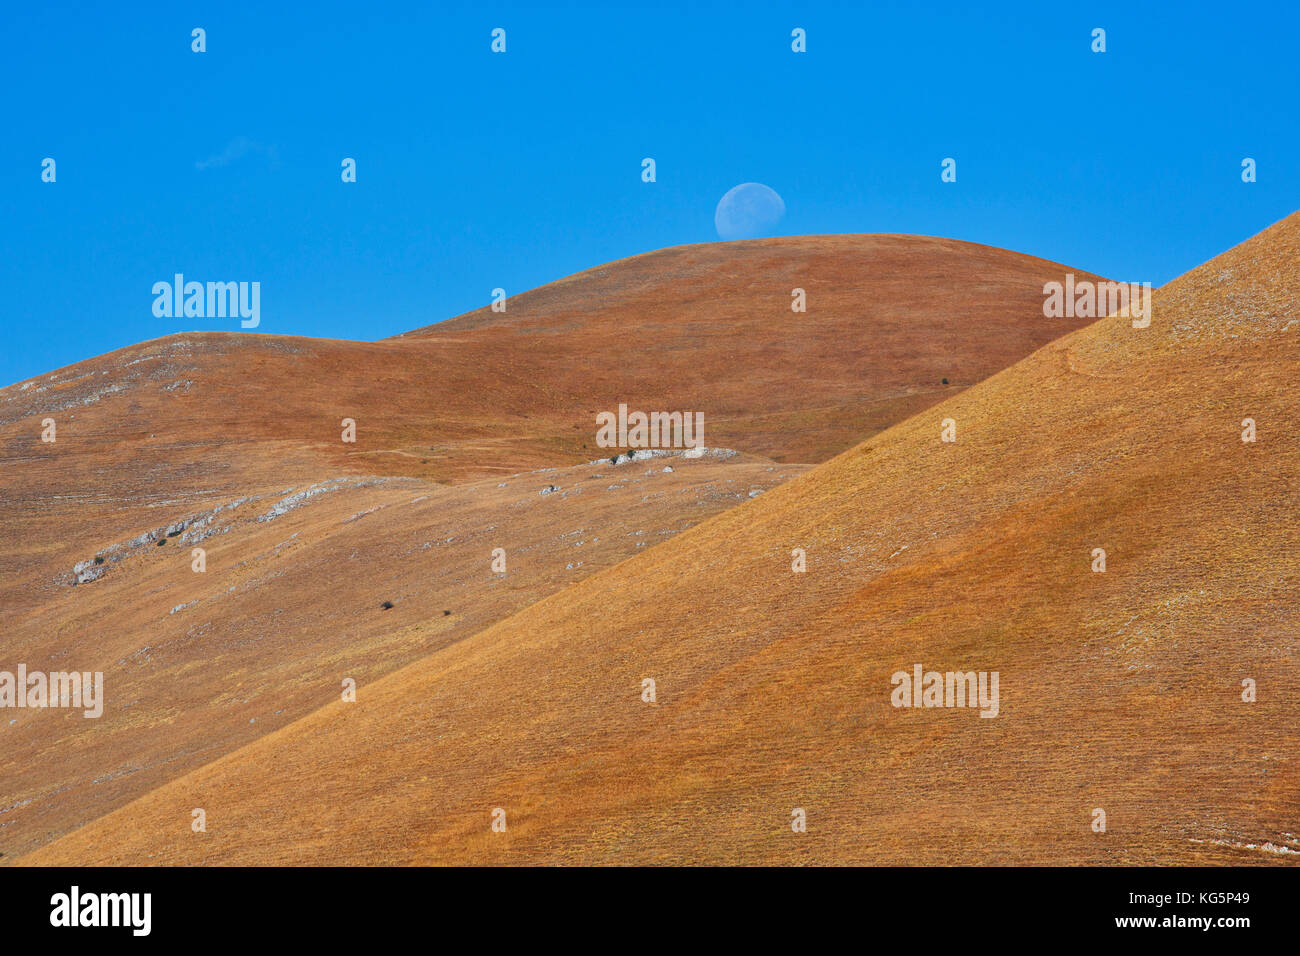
[{"x": 748, "y": 210}]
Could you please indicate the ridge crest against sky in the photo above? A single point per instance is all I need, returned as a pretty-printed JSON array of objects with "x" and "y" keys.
[{"x": 477, "y": 171}]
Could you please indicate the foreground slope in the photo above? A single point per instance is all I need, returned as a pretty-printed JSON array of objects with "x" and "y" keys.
[
  {"x": 293, "y": 602},
  {"x": 231, "y": 443},
  {"x": 1120, "y": 691}
]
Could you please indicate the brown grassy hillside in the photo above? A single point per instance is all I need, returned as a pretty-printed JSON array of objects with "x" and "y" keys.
[
  {"x": 211, "y": 436},
  {"x": 1119, "y": 690}
]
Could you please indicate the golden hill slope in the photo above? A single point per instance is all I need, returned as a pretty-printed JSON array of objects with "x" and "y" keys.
[
  {"x": 290, "y": 604},
  {"x": 1119, "y": 691},
  {"x": 206, "y": 434}
]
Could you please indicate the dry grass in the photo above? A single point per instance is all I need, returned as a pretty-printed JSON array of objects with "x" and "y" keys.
[{"x": 1118, "y": 690}]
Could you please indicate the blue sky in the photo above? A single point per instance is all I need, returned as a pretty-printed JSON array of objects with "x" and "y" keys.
[{"x": 477, "y": 170}]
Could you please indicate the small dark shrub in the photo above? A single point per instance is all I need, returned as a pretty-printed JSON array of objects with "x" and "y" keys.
[
  {"x": 945, "y": 381},
  {"x": 99, "y": 559},
  {"x": 161, "y": 542},
  {"x": 446, "y": 613},
  {"x": 387, "y": 605}
]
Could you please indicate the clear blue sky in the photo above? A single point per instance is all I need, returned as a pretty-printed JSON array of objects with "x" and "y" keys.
[{"x": 478, "y": 170}]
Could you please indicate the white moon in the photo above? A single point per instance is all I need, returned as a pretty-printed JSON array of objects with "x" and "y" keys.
[{"x": 748, "y": 210}]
